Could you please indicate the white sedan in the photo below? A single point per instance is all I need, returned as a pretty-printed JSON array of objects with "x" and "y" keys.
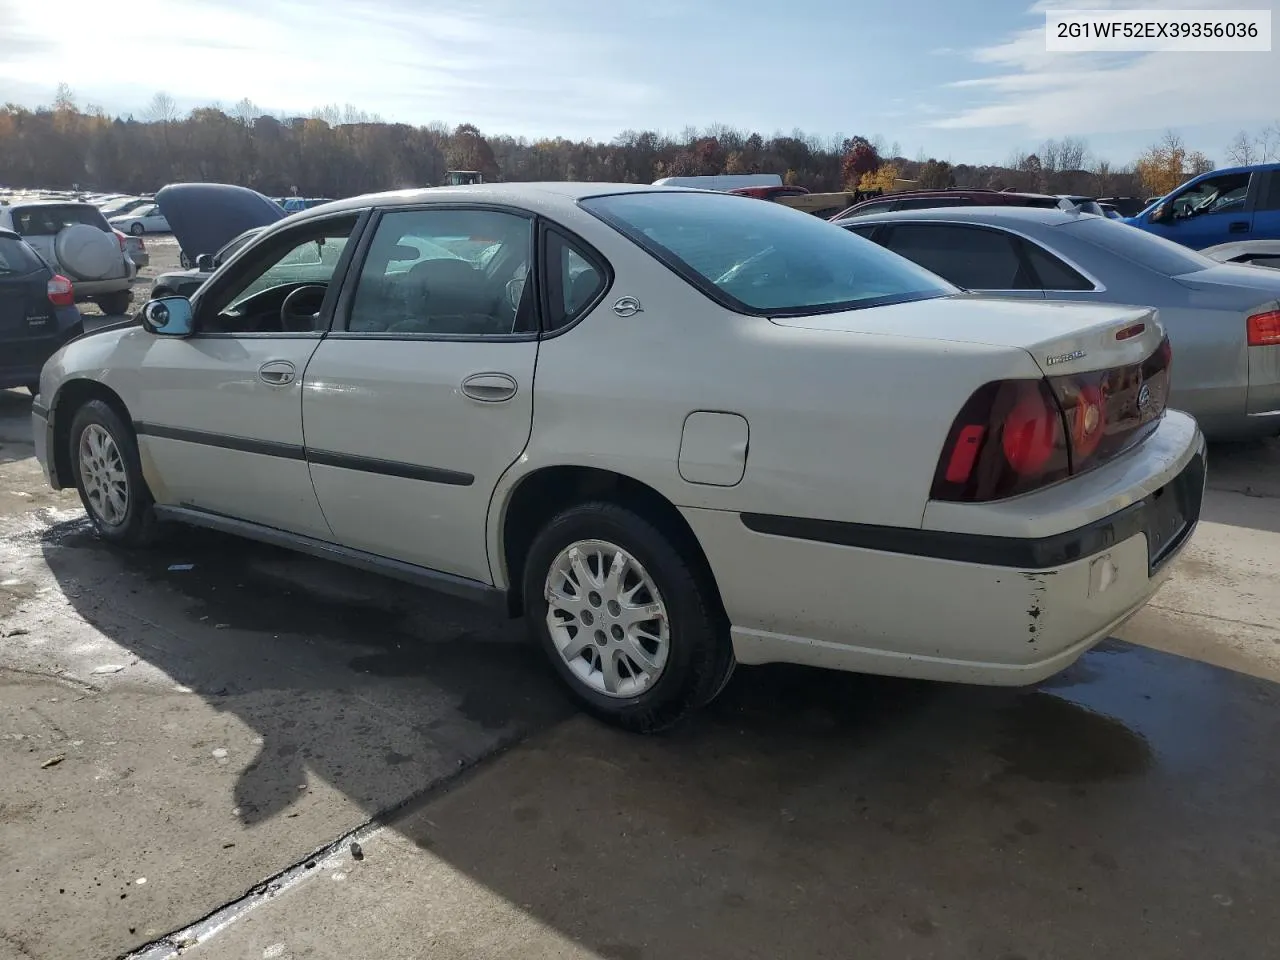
[
  {"x": 676, "y": 430},
  {"x": 147, "y": 219}
]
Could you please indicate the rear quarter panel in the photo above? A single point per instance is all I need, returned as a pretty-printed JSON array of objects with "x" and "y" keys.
[{"x": 842, "y": 426}]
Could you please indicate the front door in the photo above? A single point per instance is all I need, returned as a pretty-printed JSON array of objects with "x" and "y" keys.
[
  {"x": 1213, "y": 210},
  {"x": 220, "y": 413},
  {"x": 422, "y": 396}
]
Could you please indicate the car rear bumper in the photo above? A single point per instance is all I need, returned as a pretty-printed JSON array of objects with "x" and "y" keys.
[
  {"x": 964, "y": 607},
  {"x": 21, "y": 360}
]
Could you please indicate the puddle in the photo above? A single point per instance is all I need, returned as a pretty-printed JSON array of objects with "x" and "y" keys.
[{"x": 1049, "y": 739}]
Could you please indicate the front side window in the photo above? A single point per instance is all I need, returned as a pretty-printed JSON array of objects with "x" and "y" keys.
[
  {"x": 1225, "y": 194},
  {"x": 970, "y": 257},
  {"x": 764, "y": 258},
  {"x": 252, "y": 298},
  {"x": 449, "y": 272}
]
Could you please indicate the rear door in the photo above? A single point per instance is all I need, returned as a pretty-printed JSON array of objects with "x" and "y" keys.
[
  {"x": 975, "y": 258},
  {"x": 1266, "y": 210},
  {"x": 422, "y": 396}
]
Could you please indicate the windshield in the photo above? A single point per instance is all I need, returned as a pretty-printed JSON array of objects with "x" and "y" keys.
[
  {"x": 1137, "y": 246},
  {"x": 758, "y": 257},
  {"x": 17, "y": 257}
]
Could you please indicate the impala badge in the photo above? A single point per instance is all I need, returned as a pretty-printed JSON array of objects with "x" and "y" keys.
[
  {"x": 1144, "y": 396},
  {"x": 1064, "y": 357},
  {"x": 627, "y": 307}
]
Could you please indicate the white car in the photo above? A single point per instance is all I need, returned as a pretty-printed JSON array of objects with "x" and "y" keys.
[
  {"x": 676, "y": 430},
  {"x": 144, "y": 219}
]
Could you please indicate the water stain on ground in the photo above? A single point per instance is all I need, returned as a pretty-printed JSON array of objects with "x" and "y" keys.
[{"x": 1048, "y": 739}]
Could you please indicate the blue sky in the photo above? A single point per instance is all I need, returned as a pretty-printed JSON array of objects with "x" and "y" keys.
[{"x": 965, "y": 80}]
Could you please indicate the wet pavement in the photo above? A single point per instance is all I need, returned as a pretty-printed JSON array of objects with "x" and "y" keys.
[{"x": 219, "y": 719}]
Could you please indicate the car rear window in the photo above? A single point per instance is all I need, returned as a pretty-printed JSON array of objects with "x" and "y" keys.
[
  {"x": 1137, "y": 246},
  {"x": 764, "y": 258},
  {"x": 47, "y": 221},
  {"x": 17, "y": 257}
]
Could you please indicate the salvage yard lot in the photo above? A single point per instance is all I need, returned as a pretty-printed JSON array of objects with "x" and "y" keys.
[{"x": 208, "y": 725}]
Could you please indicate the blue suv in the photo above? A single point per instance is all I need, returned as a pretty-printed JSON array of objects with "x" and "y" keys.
[{"x": 1238, "y": 203}]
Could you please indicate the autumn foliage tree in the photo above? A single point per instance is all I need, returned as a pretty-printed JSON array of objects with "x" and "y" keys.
[
  {"x": 860, "y": 159},
  {"x": 1165, "y": 165}
]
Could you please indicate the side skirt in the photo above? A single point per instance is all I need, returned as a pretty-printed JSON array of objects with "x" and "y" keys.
[{"x": 473, "y": 590}]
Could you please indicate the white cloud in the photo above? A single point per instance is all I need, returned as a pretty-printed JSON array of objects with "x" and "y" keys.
[
  {"x": 1051, "y": 94},
  {"x": 491, "y": 63}
]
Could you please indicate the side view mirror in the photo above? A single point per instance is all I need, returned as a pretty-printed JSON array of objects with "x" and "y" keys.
[
  {"x": 1160, "y": 214},
  {"x": 168, "y": 317},
  {"x": 204, "y": 263}
]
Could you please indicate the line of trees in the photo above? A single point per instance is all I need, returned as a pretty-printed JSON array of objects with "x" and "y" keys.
[{"x": 343, "y": 151}]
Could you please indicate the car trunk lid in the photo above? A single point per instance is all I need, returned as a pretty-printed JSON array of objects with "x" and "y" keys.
[{"x": 1063, "y": 338}]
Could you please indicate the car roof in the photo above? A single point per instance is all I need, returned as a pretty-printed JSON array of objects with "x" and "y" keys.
[
  {"x": 488, "y": 193},
  {"x": 1010, "y": 215},
  {"x": 48, "y": 202}
]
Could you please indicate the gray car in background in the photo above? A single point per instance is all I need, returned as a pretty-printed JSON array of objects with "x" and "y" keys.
[{"x": 1223, "y": 320}]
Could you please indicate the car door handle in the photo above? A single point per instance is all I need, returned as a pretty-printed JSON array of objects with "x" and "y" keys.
[
  {"x": 277, "y": 373},
  {"x": 490, "y": 387},
  {"x": 1238, "y": 226}
]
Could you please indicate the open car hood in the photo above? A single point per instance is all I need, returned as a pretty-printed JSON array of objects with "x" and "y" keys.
[{"x": 204, "y": 216}]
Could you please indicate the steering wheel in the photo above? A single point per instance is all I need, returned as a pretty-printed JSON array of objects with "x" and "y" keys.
[{"x": 293, "y": 315}]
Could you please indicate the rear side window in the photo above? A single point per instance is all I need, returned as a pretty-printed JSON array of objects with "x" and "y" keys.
[
  {"x": 1269, "y": 196},
  {"x": 1052, "y": 272},
  {"x": 17, "y": 257},
  {"x": 574, "y": 278},
  {"x": 967, "y": 256},
  {"x": 48, "y": 221},
  {"x": 764, "y": 258},
  {"x": 1138, "y": 246}
]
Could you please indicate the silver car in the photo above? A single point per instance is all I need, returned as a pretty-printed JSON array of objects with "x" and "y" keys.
[{"x": 1223, "y": 320}]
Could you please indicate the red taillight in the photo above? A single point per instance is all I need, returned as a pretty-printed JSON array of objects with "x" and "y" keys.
[
  {"x": 61, "y": 293},
  {"x": 1264, "y": 329},
  {"x": 1007, "y": 440},
  {"x": 1014, "y": 436}
]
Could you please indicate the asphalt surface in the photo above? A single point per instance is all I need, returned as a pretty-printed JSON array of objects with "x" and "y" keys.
[{"x": 193, "y": 736}]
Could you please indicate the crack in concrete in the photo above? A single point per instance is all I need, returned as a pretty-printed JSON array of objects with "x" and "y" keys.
[
  {"x": 174, "y": 943},
  {"x": 1212, "y": 616},
  {"x": 65, "y": 678}
]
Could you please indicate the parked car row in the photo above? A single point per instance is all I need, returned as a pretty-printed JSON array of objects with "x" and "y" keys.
[{"x": 760, "y": 437}]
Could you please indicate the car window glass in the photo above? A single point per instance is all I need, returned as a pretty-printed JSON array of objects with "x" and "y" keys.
[
  {"x": 1269, "y": 199},
  {"x": 967, "y": 256},
  {"x": 17, "y": 257},
  {"x": 864, "y": 230},
  {"x": 1213, "y": 195},
  {"x": 925, "y": 203},
  {"x": 249, "y": 299},
  {"x": 573, "y": 281},
  {"x": 447, "y": 273},
  {"x": 1138, "y": 246},
  {"x": 879, "y": 206},
  {"x": 763, "y": 258},
  {"x": 47, "y": 221},
  {"x": 1052, "y": 272}
]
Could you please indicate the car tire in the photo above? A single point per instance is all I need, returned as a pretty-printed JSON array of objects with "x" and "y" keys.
[
  {"x": 693, "y": 658},
  {"x": 107, "y": 472},
  {"x": 116, "y": 303},
  {"x": 137, "y": 229}
]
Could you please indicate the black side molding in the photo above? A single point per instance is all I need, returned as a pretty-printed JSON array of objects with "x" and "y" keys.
[
  {"x": 390, "y": 468},
  {"x": 1027, "y": 554},
  {"x": 289, "y": 451},
  {"x": 473, "y": 590},
  {"x": 268, "y": 448}
]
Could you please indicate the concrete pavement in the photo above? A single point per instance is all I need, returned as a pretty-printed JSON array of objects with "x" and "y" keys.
[{"x": 213, "y": 716}]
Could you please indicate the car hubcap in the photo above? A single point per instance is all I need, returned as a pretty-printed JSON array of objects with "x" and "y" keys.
[
  {"x": 607, "y": 618},
  {"x": 106, "y": 485}
]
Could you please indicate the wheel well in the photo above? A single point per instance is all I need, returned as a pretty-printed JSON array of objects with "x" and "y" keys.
[
  {"x": 73, "y": 395},
  {"x": 543, "y": 494}
]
